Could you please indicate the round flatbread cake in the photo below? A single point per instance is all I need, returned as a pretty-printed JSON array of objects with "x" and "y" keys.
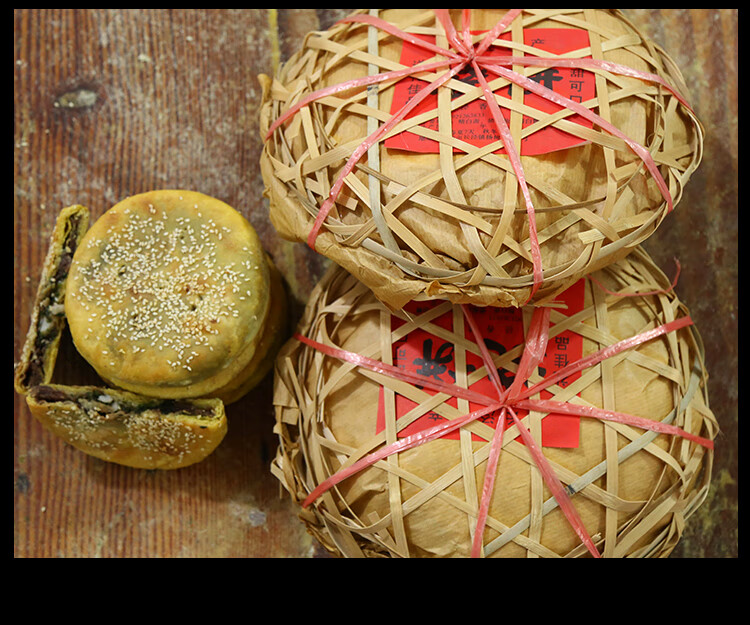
[{"x": 168, "y": 295}]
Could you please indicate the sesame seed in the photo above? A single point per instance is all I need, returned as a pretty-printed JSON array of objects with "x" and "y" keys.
[{"x": 164, "y": 288}]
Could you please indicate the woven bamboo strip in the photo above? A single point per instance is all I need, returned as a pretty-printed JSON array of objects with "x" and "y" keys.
[
  {"x": 452, "y": 225},
  {"x": 634, "y": 489}
]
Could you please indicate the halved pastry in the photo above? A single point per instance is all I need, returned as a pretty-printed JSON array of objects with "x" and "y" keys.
[
  {"x": 40, "y": 349},
  {"x": 128, "y": 429},
  {"x": 170, "y": 294}
]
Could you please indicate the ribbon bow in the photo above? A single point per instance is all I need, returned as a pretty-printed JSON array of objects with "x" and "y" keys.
[
  {"x": 462, "y": 53},
  {"x": 506, "y": 402}
]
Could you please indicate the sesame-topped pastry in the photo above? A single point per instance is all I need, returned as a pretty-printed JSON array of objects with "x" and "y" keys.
[
  {"x": 128, "y": 429},
  {"x": 40, "y": 349},
  {"x": 169, "y": 295}
]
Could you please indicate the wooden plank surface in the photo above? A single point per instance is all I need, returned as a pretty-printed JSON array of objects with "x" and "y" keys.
[{"x": 114, "y": 102}]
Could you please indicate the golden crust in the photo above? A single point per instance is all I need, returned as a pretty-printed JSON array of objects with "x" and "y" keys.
[
  {"x": 169, "y": 294},
  {"x": 40, "y": 349},
  {"x": 273, "y": 336},
  {"x": 130, "y": 430}
]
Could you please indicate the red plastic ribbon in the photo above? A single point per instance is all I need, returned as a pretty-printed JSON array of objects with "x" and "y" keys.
[
  {"x": 507, "y": 401},
  {"x": 405, "y": 444},
  {"x": 515, "y": 161},
  {"x": 407, "y": 376},
  {"x": 463, "y": 52},
  {"x": 364, "y": 148},
  {"x": 556, "y": 488},
  {"x": 672, "y": 287},
  {"x": 581, "y": 110}
]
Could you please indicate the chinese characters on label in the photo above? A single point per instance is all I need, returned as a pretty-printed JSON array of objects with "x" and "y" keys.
[
  {"x": 473, "y": 123},
  {"x": 432, "y": 357}
]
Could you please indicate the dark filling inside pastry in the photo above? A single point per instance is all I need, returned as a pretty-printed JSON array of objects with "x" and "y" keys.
[
  {"x": 100, "y": 401},
  {"x": 51, "y": 319}
]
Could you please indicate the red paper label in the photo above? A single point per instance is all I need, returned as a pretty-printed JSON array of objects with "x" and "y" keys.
[
  {"x": 502, "y": 328},
  {"x": 473, "y": 122}
]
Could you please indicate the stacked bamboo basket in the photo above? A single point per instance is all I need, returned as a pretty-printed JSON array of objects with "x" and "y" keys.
[{"x": 493, "y": 366}]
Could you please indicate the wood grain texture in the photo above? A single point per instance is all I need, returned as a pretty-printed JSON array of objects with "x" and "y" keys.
[{"x": 113, "y": 102}]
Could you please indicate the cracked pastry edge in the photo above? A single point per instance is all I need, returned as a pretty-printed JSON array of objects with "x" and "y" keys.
[
  {"x": 128, "y": 429},
  {"x": 39, "y": 353}
]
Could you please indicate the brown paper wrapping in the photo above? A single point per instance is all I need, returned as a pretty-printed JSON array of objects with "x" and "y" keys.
[
  {"x": 455, "y": 227},
  {"x": 635, "y": 489}
]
